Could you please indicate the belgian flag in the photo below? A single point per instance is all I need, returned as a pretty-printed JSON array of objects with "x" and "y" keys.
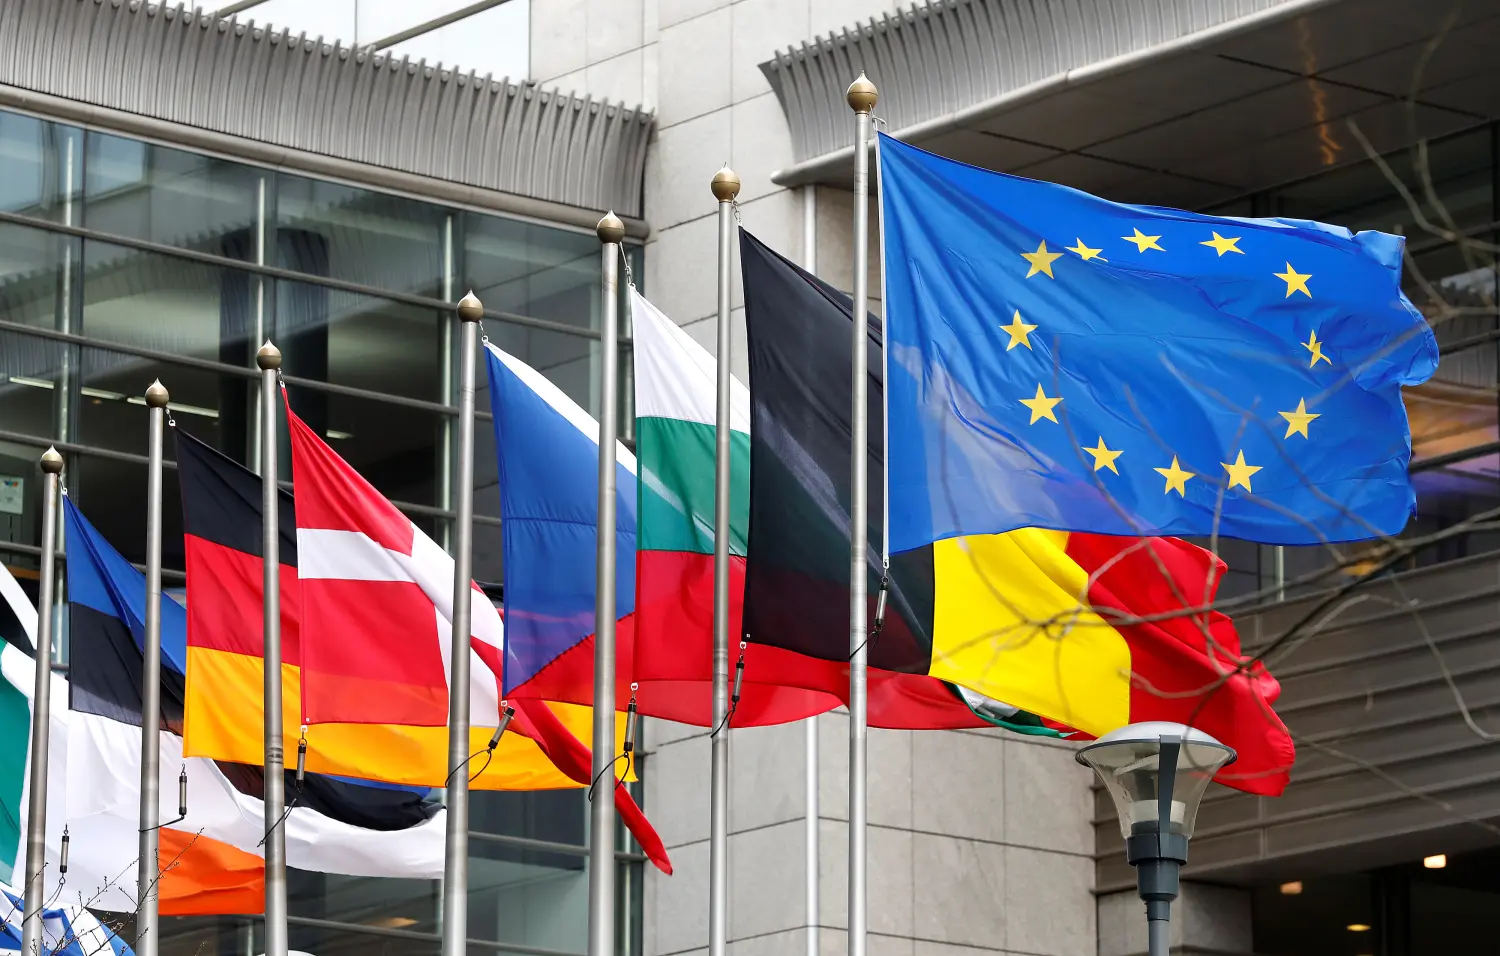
[{"x": 1083, "y": 631}]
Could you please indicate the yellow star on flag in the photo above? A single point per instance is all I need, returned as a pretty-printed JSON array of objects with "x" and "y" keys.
[
  {"x": 1041, "y": 406},
  {"x": 1297, "y": 422},
  {"x": 1295, "y": 281},
  {"x": 1041, "y": 260},
  {"x": 1144, "y": 242},
  {"x": 1222, "y": 245},
  {"x": 1103, "y": 457},
  {"x": 1018, "y": 331},
  {"x": 1239, "y": 472},
  {"x": 1316, "y": 348},
  {"x": 1085, "y": 253},
  {"x": 1176, "y": 477}
]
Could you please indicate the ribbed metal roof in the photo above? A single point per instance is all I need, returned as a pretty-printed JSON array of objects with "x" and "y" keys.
[
  {"x": 261, "y": 84},
  {"x": 944, "y": 57}
]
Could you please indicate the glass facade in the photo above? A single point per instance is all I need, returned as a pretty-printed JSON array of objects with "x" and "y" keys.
[
  {"x": 122, "y": 261},
  {"x": 1445, "y": 200}
]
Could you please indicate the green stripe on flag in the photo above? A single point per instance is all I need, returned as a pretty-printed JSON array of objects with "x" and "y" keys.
[
  {"x": 15, "y": 729},
  {"x": 675, "y": 465}
]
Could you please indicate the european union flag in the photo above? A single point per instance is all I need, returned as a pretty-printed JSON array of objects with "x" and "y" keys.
[{"x": 1061, "y": 361}]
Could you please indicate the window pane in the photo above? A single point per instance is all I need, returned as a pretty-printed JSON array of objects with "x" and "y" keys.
[
  {"x": 112, "y": 411},
  {"x": 166, "y": 303},
  {"x": 358, "y": 340},
  {"x": 30, "y": 369},
  {"x": 533, "y": 270},
  {"x": 42, "y": 163},
  {"x": 378, "y": 240},
  {"x": 170, "y": 196},
  {"x": 392, "y": 446},
  {"x": 32, "y": 267}
]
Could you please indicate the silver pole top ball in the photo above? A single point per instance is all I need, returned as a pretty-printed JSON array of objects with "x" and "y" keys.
[
  {"x": 157, "y": 396},
  {"x": 269, "y": 357},
  {"x": 726, "y": 185},
  {"x": 470, "y": 309},
  {"x": 611, "y": 229},
  {"x": 862, "y": 94},
  {"x": 52, "y": 462}
]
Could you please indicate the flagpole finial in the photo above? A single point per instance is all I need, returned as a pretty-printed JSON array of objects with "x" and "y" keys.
[
  {"x": 269, "y": 357},
  {"x": 611, "y": 229},
  {"x": 862, "y": 94},
  {"x": 726, "y": 185},
  {"x": 470, "y": 309},
  {"x": 157, "y": 395},
  {"x": 52, "y": 462}
]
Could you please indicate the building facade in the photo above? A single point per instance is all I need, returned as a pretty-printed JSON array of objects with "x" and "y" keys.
[{"x": 329, "y": 182}]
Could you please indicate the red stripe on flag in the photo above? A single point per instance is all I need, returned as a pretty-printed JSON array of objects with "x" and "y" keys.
[
  {"x": 1186, "y": 668},
  {"x": 331, "y": 494},
  {"x": 225, "y": 611},
  {"x": 369, "y": 669}
]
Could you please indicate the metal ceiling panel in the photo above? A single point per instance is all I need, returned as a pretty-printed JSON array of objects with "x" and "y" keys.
[{"x": 182, "y": 66}]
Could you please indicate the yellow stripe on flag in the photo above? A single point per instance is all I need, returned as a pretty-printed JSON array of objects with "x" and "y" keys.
[
  {"x": 1008, "y": 623},
  {"x": 223, "y": 714}
]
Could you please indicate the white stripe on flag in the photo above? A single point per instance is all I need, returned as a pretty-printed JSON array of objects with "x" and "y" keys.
[
  {"x": 570, "y": 410},
  {"x": 675, "y": 376}
]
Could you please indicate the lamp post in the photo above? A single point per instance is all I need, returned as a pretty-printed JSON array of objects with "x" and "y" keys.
[{"x": 1156, "y": 773}]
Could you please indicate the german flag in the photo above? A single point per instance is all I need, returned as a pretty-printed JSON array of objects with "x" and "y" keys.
[
  {"x": 221, "y": 503},
  {"x": 1088, "y": 631}
]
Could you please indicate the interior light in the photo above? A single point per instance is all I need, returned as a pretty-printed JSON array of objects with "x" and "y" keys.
[
  {"x": 1291, "y": 889},
  {"x": 391, "y": 922},
  {"x": 1435, "y": 862},
  {"x": 1358, "y": 927},
  {"x": 335, "y": 435}
]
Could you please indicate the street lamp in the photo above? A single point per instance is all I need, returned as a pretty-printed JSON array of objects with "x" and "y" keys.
[{"x": 1156, "y": 772}]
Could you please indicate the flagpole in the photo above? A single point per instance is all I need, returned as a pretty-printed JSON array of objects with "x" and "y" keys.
[
  {"x": 602, "y": 811},
  {"x": 35, "y": 893},
  {"x": 811, "y": 828},
  {"x": 861, "y": 98},
  {"x": 269, "y": 361},
  {"x": 456, "y": 847},
  {"x": 147, "y": 863},
  {"x": 726, "y": 186}
]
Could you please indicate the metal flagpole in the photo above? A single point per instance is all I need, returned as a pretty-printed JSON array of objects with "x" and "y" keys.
[
  {"x": 602, "y": 812},
  {"x": 456, "y": 848},
  {"x": 147, "y": 864},
  {"x": 41, "y": 713},
  {"x": 269, "y": 360},
  {"x": 861, "y": 97},
  {"x": 811, "y": 827},
  {"x": 726, "y": 186}
]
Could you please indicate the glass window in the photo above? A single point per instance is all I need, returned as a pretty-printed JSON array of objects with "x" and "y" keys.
[
  {"x": 375, "y": 239},
  {"x": 43, "y": 166},
  {"x": 533, "y": 270},
  {"x": 394, "y": 447},
  {"x": 359, "y": 340},
  {"x": 30, "y": 369},
  {"x": 170, "y": 196},
  {"x": 33, "y": 265},
  {"x": 112, "y": 410}
]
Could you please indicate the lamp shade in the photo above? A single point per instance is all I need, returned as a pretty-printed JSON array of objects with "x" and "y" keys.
[{"x": 1129, "y": 762}]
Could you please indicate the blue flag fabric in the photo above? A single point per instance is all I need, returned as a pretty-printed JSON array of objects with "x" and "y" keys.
[
  {"x": 1061, "y": 361},
  {"x": 548, "y": 450}
]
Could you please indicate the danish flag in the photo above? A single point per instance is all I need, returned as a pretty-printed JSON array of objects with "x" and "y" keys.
[{"x": 377, "y": 622}]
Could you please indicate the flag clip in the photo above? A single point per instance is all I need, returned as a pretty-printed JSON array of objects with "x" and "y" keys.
[
  {"x": 302, "y": 757},
  {"x": 631, "y": 714},
  {"x": 506, "y": 713},
  {"x": 62, "y": 860}
]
